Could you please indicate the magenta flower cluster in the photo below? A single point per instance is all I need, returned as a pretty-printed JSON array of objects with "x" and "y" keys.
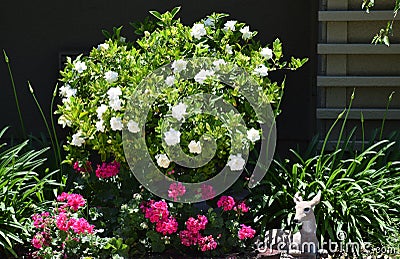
[
  {"x": 107, "y": 170},
  {"x": 62, "y": 220},
  {"x": 176, "y": 190},
  {"x": 157, "y": 212},
  {"x": 192, "y": 236}
]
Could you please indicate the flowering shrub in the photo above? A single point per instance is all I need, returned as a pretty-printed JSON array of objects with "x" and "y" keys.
[
  {"x": 63, "y": 232},
  {"x": 95, "y": 93}
]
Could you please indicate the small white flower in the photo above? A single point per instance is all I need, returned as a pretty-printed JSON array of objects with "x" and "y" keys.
[
  {"x": 202, "y": 75},
  {"x": 253, "y": 135},
  {"x": 143, "y": 225},
  {"x": 194, "y": 147},
  {"x": 228, "y": 49},
  {"x": 116, "y": 123},
  {"x": 170, "y": 80},
  {"x": 179, "y": 111},
  {"x": 100, "y": 126},
  {"x": 261, "y": 71},
  {"x": 114, "y": 92},
  {"x": 80, "y": 66},
  {"x": 103, "y": 46},
  {"x": 179, "y": 65},
  {"x": 218, "y": 63},
  {"x": 230, "y": 25},
  {"x": 236, "y": 162},
  {"x": 122, "y": 39},
  {"x": 77, "y": 139},
  {"x": 209, "y": 22},
  {"x": 246, "y": 33},
  {"x": 101, "y": 110},
  {"x": 163, "y": 160},
  {"x": 137, "y": 196},
  {"x": 133, "y": 126},
  {"x": 63, "y": 121},
  {"x": 111, "y": 76},
  {"x": 172, "y": 137},
  {"x": 115, "y": 104},
  {"x": 67, "y": 91},
  {"x": 198, "y": 31},
  {"x": 266, "y": 53}
]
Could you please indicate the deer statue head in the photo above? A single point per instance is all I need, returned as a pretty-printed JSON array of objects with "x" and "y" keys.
[{"x": 305, "y": 209}]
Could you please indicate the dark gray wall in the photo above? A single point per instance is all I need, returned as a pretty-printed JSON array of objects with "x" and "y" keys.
[{"x": 34, "y": 33}]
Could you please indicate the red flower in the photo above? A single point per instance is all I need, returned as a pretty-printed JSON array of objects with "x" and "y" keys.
[{"x": 226, "y": 202}]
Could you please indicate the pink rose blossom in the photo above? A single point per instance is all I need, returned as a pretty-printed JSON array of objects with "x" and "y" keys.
[
  {"x": 81, "y": 226},
  {"x": 62, "y": 221},
  {"x": 75, "y": 201},
  {"x": 176, "y": 190},
  {"x": 108, "y": 170},
  {"x": 195, "y": 225},
  {"x": 157, "y": 211},
  {"x": 246, "y": 232},
  {"x": 226, "y": 202}
]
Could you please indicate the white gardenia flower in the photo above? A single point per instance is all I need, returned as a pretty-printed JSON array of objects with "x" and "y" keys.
[
  {"x": 67, "y": 91},
  {"x": 179, "y": 111},
  {"x": 101, "y": 110},
  {"x": 218, "y": 63},
  {"x": 63, "y": 121},
  {"x": 115, "y": 104},
  {"x": 266, "y": 53},
  {"x": 236, "y": 162},
  {"x": 114, "y": 92},
  {"x": 172, "y": 137},
  {"x": 170, "y": 80},
  {"x": 198, "y": 31},
  {"x": 116, "y": 123},
  {"x": 133, "y": 126},
  {"x": 209, "y": 22},
  {"x": 194, "y": 147},
  {"x": 163, "y": 160},
  {"x": 230, "y": 25},
  {"x": 228, "y": 49},
  {"x": 261, "y": 71},
  {"x": 111, "y": 76},
  {"x": 80, "y": 66},
  {"x": 103, "y": 46},
  {"x": 77, "y": 139},
  {"x": 246, "y": 33},
  {"x": 179, "y": 65},
  {"x": 100, "y": 126},
  {"x": 202, "y": 75},
  {"x": 253, "y": 135}
]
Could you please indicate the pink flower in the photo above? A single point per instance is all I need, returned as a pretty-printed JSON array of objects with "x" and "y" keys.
[
  {"x": 207, "y": 243},
  {"x": 62, "y": 221},
  {"x": 168, "y": 226},
  {"x": 75, "y": 201},
  {"x": 176, "y": 190},
  {"x": 246, "y": 232},
  {"x": 39, "y": 220},
  {"x": 226, "y": 202},
  {"x": 40, "y": 239},
  {"x": 241, "y": 207},
  {"x": 80, "y": 226},
  {"x": 85, "y": 168},
  {"x": 158, "y": 211},
  {"x": 195, "y": 225},
  {"x": 62, "y": 197},
  {"x": 207, "y": 192},
  {"x": 189, "y": 238},
  {"x": 108, "y": 170}
]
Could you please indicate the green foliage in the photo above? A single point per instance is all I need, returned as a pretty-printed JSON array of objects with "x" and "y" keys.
[
  {"x": 360, "y": 189},
  {"x": 21, "y": 189}
]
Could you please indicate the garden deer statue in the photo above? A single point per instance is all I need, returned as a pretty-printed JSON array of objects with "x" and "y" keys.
[{"x": 303, "y": 244}]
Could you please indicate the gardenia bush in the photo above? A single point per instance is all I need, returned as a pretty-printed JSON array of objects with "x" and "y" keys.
[{"x": 96, "y": 90}]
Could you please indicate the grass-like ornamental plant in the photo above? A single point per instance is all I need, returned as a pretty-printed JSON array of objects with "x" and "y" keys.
[
  {"x": 360, "y": 190},
  {"x": 21, "y": 190}
]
